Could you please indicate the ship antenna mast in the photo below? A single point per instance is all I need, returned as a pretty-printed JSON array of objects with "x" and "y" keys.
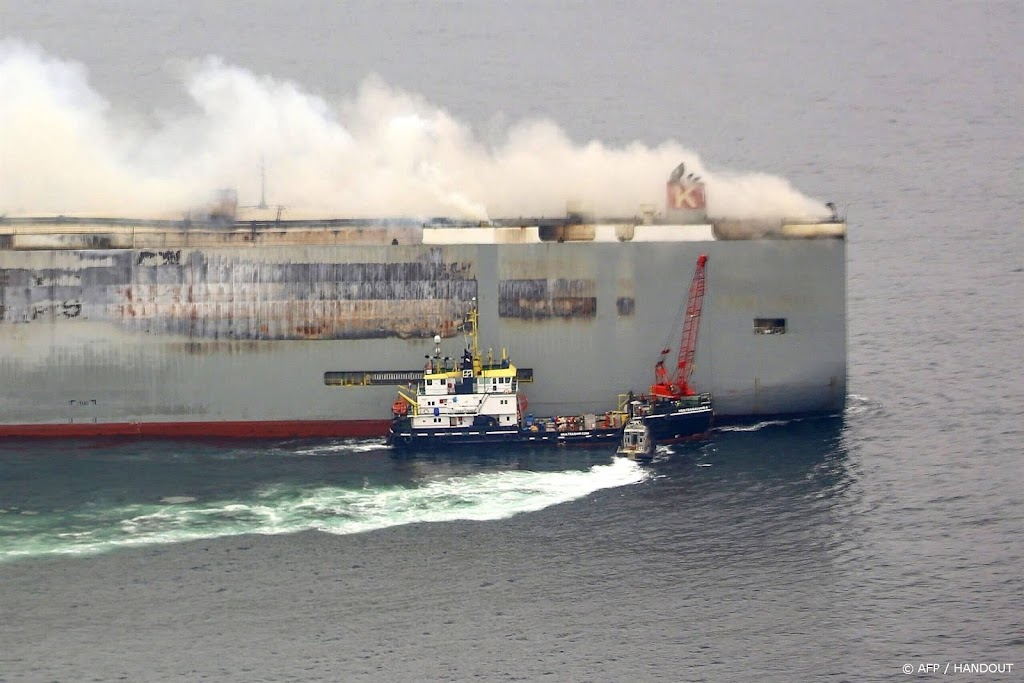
[{"x": 263, "y": 186}]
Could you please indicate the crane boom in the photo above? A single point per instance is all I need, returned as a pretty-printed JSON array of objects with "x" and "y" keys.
[{"x": 678, "y": 384}]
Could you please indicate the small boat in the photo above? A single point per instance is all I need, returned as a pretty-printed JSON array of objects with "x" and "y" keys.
[
  {"x": 473, "y": 401},
  {"x": 637, "y": 441}
]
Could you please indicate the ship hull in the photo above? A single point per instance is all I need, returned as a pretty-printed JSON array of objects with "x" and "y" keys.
[
  {"x": 277, "y": 429},
  {"x": 433, "y": 439},
  {"x": 116, "y": 329},
  {"x": 680, "y": 425}
]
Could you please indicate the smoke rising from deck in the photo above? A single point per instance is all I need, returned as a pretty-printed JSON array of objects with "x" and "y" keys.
[{"x": 379, "y": 152}]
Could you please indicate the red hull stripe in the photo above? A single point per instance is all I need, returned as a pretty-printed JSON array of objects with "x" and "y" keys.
[{"x": 242, "y": 430}]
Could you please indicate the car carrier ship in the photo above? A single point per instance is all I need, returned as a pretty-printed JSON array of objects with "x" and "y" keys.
[{"x": 242, "y": 324}]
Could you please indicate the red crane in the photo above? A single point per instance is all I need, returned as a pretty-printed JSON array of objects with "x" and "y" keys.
[{"x": 678, "y": 384}]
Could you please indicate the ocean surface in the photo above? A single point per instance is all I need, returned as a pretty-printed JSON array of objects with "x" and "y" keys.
[{"x": 845, "y": 547}]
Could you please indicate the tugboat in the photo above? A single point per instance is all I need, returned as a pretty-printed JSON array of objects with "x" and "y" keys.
[
  {"x": 637, "y": 442},
  {"x": 470, "y": 402}
]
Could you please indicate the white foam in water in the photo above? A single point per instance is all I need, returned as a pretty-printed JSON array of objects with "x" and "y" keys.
[
  {"x": 488, "y": 496},
  {"x": 278, "y": 509},
  {"x": 857, "y": 404},
  {"x": 478, "y": 497},
  {"x": 754, "y": 427},
  {"x": 349, "y": 446}
]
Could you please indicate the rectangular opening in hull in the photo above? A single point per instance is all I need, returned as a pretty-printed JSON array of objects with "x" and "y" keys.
[{"x": 769, "y": 326}]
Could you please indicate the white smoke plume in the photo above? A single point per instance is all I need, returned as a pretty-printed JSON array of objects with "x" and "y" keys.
[{"x": 382, "y": 152}]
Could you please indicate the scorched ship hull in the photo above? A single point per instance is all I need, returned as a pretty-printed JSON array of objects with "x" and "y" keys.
[{"x": 291, "y": 328}]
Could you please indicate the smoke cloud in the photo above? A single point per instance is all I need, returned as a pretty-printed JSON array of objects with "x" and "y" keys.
[{"x": 379, "y": 152}]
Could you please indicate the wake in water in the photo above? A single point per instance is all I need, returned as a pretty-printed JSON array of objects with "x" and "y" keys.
[
  {"x": 281, "y": 508},
  {"x": 754, "y": 426},
  {"x": 346, "y": 446},
  {"x": 858, "y": 405},
  {"x": 855, "y": 405}
]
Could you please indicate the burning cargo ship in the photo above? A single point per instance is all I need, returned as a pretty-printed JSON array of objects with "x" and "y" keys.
[{"x": 247, "y": 325}]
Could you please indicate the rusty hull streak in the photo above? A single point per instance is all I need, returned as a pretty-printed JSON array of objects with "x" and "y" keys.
[
  {"x": 540, "y": 299},
  {"x": 232, "y": 298}
]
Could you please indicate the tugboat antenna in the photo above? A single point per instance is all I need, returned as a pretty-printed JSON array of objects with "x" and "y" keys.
[{"x": 473, "y": 318}]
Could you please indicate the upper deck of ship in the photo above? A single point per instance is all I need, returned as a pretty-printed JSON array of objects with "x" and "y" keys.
[{"x": 87, "y": 232}]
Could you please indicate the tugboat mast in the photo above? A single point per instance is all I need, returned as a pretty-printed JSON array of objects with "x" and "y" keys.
[{"x": 472, "y": 318}]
